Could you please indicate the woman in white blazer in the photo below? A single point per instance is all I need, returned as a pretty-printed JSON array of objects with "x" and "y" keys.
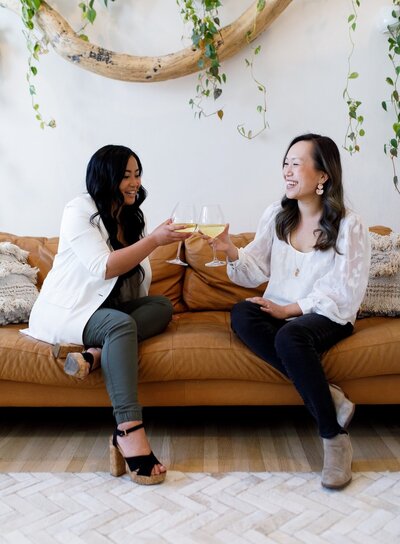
[{"x": 97, "y": 294}]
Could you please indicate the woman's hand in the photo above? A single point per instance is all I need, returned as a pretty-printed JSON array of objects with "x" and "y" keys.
[
  {"x": 223, "y": 242},
  {"x": 276, "y": 310},
  {"x": 166, "y": 233}
]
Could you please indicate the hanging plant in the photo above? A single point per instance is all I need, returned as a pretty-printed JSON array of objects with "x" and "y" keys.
[
  {"x": 206, "y": 37},
  {"x": 36, "y": 46},
  {"x": 355, "y": 120},
  {"x": 261, "y": 108},
  {"x": 392, "y": 147}
]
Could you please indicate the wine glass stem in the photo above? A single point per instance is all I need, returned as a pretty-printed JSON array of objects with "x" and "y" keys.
[
  {"x": 214, "y": 251},
  {"x": 178, "y": 251}
]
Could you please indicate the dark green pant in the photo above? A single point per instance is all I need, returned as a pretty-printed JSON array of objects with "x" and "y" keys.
[{"x": 118, "y": 332}]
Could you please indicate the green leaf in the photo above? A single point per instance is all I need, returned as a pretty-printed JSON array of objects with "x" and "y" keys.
[
  {"x": 393, "y": 143},
  {"x": 350, "y": 18},
  {"x": 257, "y": 50},
  {"x": 353, "y": 75},
  {"x": 389, "y": 80},
  {"x": 34, "y": 70},
  {"x": 261, "y": 5},
  {"x": 361, "y": 132},
  {"x": 384, "y": 106},
  {"x": 91, "y": 15}
]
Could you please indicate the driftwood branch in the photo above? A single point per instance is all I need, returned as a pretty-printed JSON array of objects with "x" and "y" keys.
[{"x": 146, "y": 69}]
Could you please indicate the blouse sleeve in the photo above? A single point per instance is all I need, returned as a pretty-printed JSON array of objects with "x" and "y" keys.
[
  {"x": 339, "y": 293},
  {"x": 84, "y": 238},
  {"x": 252, "y": 268}
]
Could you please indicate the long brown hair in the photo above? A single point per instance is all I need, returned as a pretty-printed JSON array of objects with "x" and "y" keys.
[{"x": 326, "y": 158}]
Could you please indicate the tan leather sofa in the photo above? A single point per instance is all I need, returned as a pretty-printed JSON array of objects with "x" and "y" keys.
[{"x": 197, "y": 360}]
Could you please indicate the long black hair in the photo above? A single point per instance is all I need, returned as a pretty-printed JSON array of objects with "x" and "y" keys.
[
  {"x": 104, "y": 174},
  {"x": 326, "y": 158}
]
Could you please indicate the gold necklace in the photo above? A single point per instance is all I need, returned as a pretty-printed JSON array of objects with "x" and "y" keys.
[{"x": 298, "y": 266}]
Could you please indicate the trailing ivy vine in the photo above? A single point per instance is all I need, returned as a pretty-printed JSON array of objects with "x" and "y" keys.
[
  {"x": 261, "y": 108},
  {"x": 36, "y": 47},
  {"x": 355, "y": 120},
  {"x": 206, "y": 36},
  {"x": 392, "y": 147}
]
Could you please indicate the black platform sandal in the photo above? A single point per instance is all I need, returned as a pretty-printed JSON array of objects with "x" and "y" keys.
[
  {"x": 138, "y": 467},
  {"x": 79, "y": 365}
]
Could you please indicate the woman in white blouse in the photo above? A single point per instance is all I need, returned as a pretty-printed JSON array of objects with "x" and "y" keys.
[{"x": 315, "y": 255}]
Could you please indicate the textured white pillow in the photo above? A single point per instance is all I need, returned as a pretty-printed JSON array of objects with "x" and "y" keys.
[
  {"x": 382, "y": 297},
  {"x": 17, "y": 284}
]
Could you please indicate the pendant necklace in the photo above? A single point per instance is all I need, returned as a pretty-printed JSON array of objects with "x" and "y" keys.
[{"x": 298, "y": 266}]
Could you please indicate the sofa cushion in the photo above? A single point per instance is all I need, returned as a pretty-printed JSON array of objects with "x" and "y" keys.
[
  {"x": 167, "y": 279},
  {"x": 202, "y": 346},
  {"x": 208, "y": 288}
]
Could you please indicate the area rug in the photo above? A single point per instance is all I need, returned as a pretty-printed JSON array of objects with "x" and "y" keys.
[{"x": 234, "y": 508}]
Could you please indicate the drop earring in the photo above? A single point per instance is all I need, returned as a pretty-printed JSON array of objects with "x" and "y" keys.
[{"x": 320, "y": 189}]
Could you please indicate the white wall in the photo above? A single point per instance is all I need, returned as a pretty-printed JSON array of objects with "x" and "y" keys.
[{"x": 303, "y": 62}]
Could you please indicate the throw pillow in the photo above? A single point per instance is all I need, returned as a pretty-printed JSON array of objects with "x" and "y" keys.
[
  {"x": 17, "y": 284},
  {"x": 382, "y": 297}
]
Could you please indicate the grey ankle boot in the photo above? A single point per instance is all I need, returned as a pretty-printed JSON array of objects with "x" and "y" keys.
[
  {"x": 344, "y": 407},
  {"x": 338, "y": 454}
]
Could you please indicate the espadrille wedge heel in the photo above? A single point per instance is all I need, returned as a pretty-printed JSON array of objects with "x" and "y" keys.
[{"x": 138, "y": 467}]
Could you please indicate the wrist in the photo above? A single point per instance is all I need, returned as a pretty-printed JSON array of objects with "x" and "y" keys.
[{"x": 232, "y": 252}]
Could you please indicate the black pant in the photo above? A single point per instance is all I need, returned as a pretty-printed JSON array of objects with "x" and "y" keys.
[{"x": 294, "y": 348}]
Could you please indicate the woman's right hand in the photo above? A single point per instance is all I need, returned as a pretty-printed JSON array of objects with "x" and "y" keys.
[{"x": 166, "y": 233}]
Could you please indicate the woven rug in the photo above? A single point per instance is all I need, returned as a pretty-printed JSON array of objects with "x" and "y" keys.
[{"x": 234, "y": 508}]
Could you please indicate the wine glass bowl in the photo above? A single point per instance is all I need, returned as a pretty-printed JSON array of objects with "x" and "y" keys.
[
  {"x": 212, "y": 223},
  {"x": 183, "y": 214}
]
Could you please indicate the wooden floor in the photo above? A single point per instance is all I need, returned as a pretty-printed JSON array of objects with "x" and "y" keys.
[{"x": 195, "y": 439}]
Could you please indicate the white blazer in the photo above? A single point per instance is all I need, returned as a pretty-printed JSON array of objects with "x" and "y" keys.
[{"x": 76, "y": 286}]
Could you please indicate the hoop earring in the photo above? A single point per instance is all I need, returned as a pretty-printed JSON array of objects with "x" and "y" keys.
[{"x": 320, "y": 189}]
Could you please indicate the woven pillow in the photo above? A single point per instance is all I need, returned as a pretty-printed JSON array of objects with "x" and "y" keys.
[
  {"x": 17, "y": 284},
  {"x": 382, "y": 297}
]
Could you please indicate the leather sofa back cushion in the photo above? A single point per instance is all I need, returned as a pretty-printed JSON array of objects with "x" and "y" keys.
[
  {"x": 41, "y": 251},
  {"x": 208, "y": 288},
  {"x": 167, "y": 279}
]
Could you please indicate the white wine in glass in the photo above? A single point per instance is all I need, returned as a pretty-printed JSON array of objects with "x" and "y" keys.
[
  {"x": 212, "y": 223},
  {"x": 183, "y": 214}
]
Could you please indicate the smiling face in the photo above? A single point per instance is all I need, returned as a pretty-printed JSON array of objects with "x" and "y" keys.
[
  {"x": 131, "y": 182},
  {"x": 301, "y": 176}
]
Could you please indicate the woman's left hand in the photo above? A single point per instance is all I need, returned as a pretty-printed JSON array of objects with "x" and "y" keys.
[{"x": 271, "y": 308}]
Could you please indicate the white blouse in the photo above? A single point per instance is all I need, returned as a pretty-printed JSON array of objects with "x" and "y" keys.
[{"x": 323, "y": 282}]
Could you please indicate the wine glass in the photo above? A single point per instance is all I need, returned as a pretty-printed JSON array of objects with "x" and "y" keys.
[
  {"x": 183, "y": 214},
  {"x": 211, "y": 223}
]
